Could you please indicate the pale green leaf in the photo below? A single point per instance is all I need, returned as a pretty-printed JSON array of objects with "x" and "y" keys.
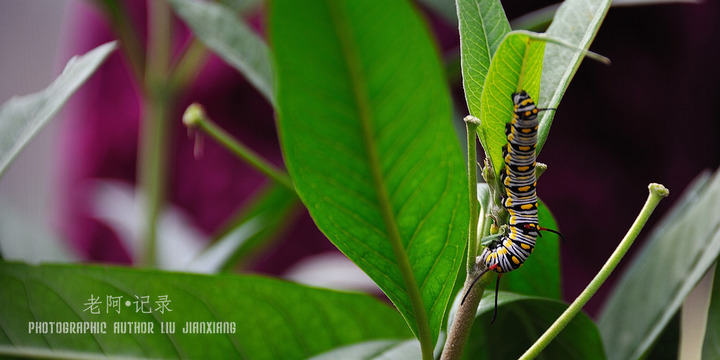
[
  {"x": 220, "y": 29},
  {"x": 516, "y": 66},
  {"x": 576, "y": 22},
  {"x": 22, "y": 117}
]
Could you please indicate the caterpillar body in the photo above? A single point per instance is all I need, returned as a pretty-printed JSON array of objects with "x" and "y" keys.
[{"x": 512, "y": 249}]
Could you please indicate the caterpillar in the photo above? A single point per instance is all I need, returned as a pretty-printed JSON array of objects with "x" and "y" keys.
[{"x": 511, "y": 250}]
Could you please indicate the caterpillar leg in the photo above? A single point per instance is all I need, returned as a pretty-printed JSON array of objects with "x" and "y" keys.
[{"x": 474, "y": 281}]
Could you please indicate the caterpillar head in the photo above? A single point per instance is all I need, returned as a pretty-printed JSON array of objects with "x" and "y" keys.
[
  {"x": 523, "y": 104},
  {"x": 519, "y": 97}
]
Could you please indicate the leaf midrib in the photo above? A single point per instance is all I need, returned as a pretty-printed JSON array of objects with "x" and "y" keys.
[{"x": 362, "y": 103}]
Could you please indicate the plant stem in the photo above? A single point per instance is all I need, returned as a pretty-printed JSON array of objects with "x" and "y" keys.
[
  {"x": 187, "y": 68},
  {"x": 195, "y": 118},
  {"x": 471, "y": 124},
  {"x": 657, "y": 193},
  {"x": 120, "y": 23},
  {"x": 465, "y": 315},
  {"x": 464, "y": 318},
  {"x": 153, "y": 132}
]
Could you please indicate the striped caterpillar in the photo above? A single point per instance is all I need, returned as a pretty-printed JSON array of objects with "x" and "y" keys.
[{"x": 509, "y": 251}]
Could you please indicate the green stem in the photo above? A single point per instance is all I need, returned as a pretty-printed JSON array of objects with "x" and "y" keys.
[
  {"x": 195, "y": 118},
  {"x": 471, "y": 124},
  {"x": 465, "y": 315},
  {"x": 153, "y": 132},
  {"x": 119, "y": 21},
  {"x": 657, "y": 192},
  {"x": 187, "y": 68}
]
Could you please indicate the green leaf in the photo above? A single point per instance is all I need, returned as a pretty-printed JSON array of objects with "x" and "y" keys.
[
  {"x": 483, "y": 26},
  {"x": 22, "y": 117},
  {"x": 520, "y": 321},
  {"x": 677, "y": 254},
  {"x": 364, "y": 120},
  {"x": 516, "y": 66},
  {"x": 711, "y": 345},
  {"x": 377, "y": 349},
  {"x": 540, "y": 274},
  {"x": 221, "y": 30},
  {"x": 576, "y": 22},
  {"x": 273, "y": 319},
  {"x": 251, "y": 230}
]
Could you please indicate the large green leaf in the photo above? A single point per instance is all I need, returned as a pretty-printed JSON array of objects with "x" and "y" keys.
[
  {"x": 540, "y": 274},
  {"x": 364, "y": 119},
  {"x": 220, "y": 29},
  {"x": 22, "y": 117},
  {"x": 482, "y": 26},
  {"x": 520, "y": 321},
  {"x": 273, "y": 319},
  {"x": 516, "y": 66},
  {"x": 677, "y": 254},
  {"x": 711, "y": 344},
  {"x": 576, "y": 22}
]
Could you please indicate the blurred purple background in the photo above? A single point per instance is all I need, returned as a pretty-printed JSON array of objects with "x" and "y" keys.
[
  {"x": 100, "y": 138},
  {"x": 649, "y": 117}
]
